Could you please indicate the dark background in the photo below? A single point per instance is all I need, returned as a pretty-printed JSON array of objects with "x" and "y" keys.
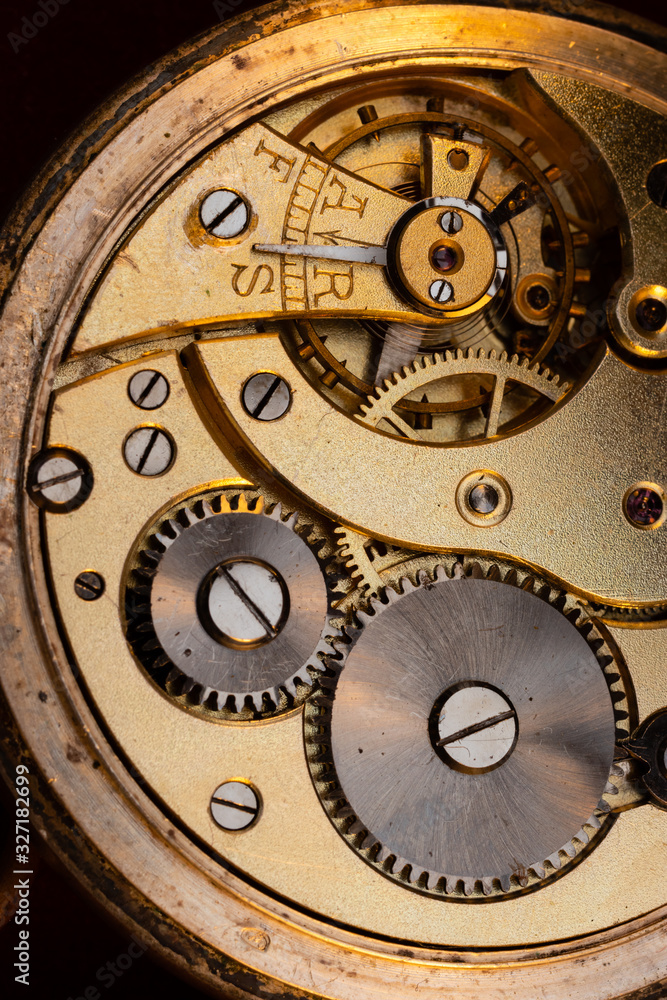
[{"x": 88, "y": 50}]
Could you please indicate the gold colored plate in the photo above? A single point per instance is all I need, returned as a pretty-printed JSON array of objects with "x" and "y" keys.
[{"x": 560, "y": 520}]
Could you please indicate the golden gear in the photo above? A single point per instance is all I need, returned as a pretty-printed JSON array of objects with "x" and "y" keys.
[
  {"x": 545, "y": 263},
  {"x": 372, "y": 566},
  {"x": 358, "y": 556},
  {"x": 427, "y": 370}
]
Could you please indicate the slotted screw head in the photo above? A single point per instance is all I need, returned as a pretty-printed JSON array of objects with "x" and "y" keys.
[
  {"x": 246, "y": 602},
  {"x": 475, "y": 727},
  {"x": 224, "y": 214},
  {"x": 148, "y": 389},
  {"x": 266, "y": 396},
  {"x": 149, "y": 451},
  {"x": 441, "y": 291},
  {"x": 89, "y": 586},
  {"x": 235, "y": 806},
  {"x": 451, "y": 222},
  {"x": 59, "y": 480}
]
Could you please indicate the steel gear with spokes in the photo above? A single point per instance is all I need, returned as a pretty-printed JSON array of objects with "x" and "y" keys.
[
  {"x": 466, "y": 746},
  {"x": 229, "y": 608}
]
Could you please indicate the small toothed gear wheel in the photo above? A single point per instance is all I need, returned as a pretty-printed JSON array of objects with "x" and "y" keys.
[
  {"x": 428, "y": 369},
  {"x": 372, "y": 565},
  {"x": 353, "y": 551},
  {"x": 229, "y": 608},
  {"x": 466, "y": 746}
]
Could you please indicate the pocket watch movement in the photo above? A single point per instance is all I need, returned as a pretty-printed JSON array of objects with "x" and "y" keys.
[{"x": 334, "y": 565}]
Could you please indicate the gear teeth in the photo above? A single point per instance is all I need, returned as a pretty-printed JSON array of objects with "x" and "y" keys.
[
  {"x": 178, "y": 682},
  {"x": 432, "y": 879},
  {"x": 356, "y": 828},
  {"x": 381, "y": 855},
  {"x": 197, "y": 694},
  {"x": 384, "y": 854},
  {"x": 207, "y": 510},
  {"x": 391, "y": 596},
  {"x": 366, "y": 617},
  {"x": 451, "y": 885},
  {"x": 214, "y": 702},
  {"x": 189, "y": 517},
  {"x": 411, "y": 378},
  {"x": 277, "y": 513},
  {"x": 303, "y": 675},
  {"x": 368, "y": 843},
  {"x": 188, "y": 684},
  {"x": 570, "y": 850},
  {"x": 487, "y": 886},
  {"x": 242, "y": 507},
  {"x": 164, "y": 540}
]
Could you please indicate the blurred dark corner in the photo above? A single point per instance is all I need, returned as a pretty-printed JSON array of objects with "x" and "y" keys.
[
  {"x": 86, "y": 52},
  {"x": 49, "y": 85}
]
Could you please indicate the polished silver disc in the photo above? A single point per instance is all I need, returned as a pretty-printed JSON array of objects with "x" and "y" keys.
[
  {"x": 238, "y": 604},
  {"x": 405, "y": 780}
]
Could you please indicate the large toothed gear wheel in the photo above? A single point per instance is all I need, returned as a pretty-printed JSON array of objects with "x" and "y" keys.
[
  {"x": 425, "y": 371},
  {"x": 229, "y": 607},
  {"x": 466, "y": 746}
]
